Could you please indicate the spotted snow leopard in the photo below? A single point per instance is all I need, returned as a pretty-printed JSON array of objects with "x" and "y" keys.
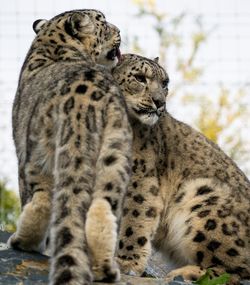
[
  {"x": 73, "y": 144},
  {"x": 186, "y": 196}
]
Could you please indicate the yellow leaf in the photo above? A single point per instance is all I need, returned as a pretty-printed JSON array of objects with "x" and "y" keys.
[
  {"x": 198, "y": 38},
  {"x": 150, "y": 3},
  {"x": 223, "y": 101}
]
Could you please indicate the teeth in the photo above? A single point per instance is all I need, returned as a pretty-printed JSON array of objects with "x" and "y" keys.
[{"x": 147, "y": 112}]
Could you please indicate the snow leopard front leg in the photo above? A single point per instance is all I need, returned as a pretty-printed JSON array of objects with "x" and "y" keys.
[{"x": 142, "y": 208}]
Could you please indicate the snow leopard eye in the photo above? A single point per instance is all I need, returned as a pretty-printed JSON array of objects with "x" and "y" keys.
[
  {"x": 165, "y": 83},
  {"x": 140, "y": 78}
]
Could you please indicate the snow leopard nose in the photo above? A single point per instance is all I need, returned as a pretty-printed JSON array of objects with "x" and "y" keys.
[{"x": 159, "y": 103}]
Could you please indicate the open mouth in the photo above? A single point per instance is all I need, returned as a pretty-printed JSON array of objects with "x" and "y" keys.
[{"x": 115, "y": 52}]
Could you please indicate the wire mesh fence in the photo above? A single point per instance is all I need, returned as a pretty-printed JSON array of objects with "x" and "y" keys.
[{"x": 224, "y": 57}]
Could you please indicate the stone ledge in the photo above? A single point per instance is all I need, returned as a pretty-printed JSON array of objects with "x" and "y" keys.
[{"x": 23, "y": 268}]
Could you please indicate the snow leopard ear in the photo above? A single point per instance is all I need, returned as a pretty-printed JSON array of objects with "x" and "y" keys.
[
  {"x": 80, "y": 23},
  {"x": 156, "y": 59},
  {"x": 37, "y": 25}
]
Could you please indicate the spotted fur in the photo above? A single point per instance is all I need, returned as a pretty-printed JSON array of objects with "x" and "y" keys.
[
  {"x": 73, "y": 140},
  {"x": 186, "y": 196}
]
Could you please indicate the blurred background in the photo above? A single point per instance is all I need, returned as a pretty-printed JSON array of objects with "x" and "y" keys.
[{"x": 204, "y": 45}]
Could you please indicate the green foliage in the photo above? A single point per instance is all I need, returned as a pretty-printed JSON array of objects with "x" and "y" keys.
[
  {"x": 208, "y": 279},
  {"x": 9, "y": 208}
]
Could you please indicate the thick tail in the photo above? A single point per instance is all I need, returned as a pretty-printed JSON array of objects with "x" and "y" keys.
[
  {"x": 74, "y": 178},
  {"x": 92, "y": 167}
]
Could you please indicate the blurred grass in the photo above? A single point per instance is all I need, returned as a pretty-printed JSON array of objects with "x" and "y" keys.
[{"x": 9, "y": 208}]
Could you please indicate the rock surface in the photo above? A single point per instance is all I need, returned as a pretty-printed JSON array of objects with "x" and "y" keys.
[{"x": 23, "y": 268}]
